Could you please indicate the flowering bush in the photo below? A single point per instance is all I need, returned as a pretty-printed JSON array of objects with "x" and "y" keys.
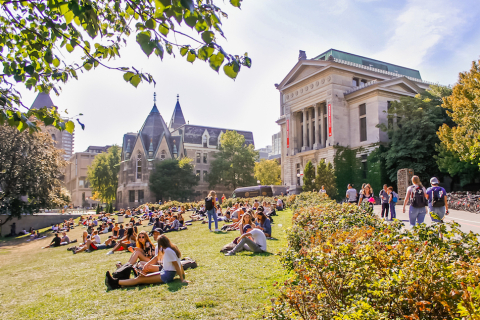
[{"x": 345, "y": 263}]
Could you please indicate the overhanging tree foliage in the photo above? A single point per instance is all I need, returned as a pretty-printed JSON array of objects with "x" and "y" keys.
[
  {"x": 268, "y": 172},
  {"x": 103, "y": 174},
  {"x": 463, "y": 106},
  {"x": 413, "y": 123},
  {"x": 36, "y": 37},
  {"x": 235, "y": 163},
  {"x": 173, "y": 179},
  {"x": 30, "y": 168}
]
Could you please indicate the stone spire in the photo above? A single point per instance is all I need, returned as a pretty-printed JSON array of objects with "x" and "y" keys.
[{"x": 178, "y": 119}]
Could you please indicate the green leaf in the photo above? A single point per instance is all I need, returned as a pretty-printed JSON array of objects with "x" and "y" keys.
[
  {"x": 191, "y": 56},
  {"x": 216, "y": 61},
  {"x": 208, "y": 36},
  {"x": 135, "y": 80},
  {"x": 247, "y": 62},
  {"x": 205, "y": 52},
  {"x": 231, "y": 69},
  {"x": 143, "y": 38},
  {"x": 150, "y": 24},
  {"x": 127, "y": 76},
  {"x": 201, "y": 26},
  {"x": 69, "y": 47},
  {"x": 159, "y": 50},
  {"x": 48, "y": 56},
  {"x": 56, "y": 62},
  {"x": 190, "y": 18},
  {"x": 163, "y": 28},
  {"x": 184, "y": 50},
  {"x": 236, "y": 3},
  {"x": 188, "y": 4},
  {"x": 88, "y": 66},
  {"x": 70, "y": 126}
]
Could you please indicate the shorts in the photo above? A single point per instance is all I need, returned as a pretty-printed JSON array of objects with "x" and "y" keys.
[
  {"x": 93, "y": 246},
  {"x": 167, "y": 276},
  {"x": 352, "y": 201}
]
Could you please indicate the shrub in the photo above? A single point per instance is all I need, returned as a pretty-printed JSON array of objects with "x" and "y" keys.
[{"x": 346, "y": 263}]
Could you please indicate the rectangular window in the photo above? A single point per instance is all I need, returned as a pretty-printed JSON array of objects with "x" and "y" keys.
[
  {"x": 198, "y": 157},
  {"x": 197, "y": 173},
  {"x": 131, "y": 196},
  {"x": 313, "y": 131},
  {"x": 308, "y": 135},
  {"x": 298, "y": 174},
  {"x": 81, "y": 183},
  {"x": 204, "y": 175},
  {"x": 364, "y": 166},
  {"x": 363, "y": 122},
  {"x": 363, "y": 83},
  {"x": 119, "y": 196},
  {"x": 140, "y": 196},
  {"x": 355, "y": 82},
  {"x": 204, "y": 157}
]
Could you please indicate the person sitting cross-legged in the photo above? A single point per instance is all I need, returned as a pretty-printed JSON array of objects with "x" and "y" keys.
[
  {"x": 89, "y": 244},
  {"x": 55, "y": 242},
  {"x": 258, "y": 244},
  {"x": 171, "y": 267}
]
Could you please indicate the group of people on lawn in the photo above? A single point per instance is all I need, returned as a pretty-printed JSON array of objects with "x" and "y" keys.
[{"x": 154, "y": 257}]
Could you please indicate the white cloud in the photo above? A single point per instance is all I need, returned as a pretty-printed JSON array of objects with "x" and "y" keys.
[{"x": 419, "y": 28}]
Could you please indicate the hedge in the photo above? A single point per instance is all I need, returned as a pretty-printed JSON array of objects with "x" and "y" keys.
[{"x": 346, "y": 263}]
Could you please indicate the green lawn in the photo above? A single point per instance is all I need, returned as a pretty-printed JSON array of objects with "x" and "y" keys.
[{"x": 55, "y": 284}]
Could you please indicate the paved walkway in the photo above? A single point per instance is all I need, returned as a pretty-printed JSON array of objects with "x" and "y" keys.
[{"x": 469, "y": 221}]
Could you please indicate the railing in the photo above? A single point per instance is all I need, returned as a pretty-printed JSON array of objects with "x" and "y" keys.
[
  {"x": 65, "y": 211},
  {"x": 393, "y": 74}
]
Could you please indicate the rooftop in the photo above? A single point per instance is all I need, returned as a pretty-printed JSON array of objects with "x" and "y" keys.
[{"x": 368, "y": 62}]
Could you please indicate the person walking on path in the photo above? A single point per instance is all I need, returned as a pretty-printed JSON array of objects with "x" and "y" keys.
[
  {"x": 437, "y": 201},
  {"x": 418, "y": 202},
  {"x": 351, "y": 194},
  {"x": 392, "y": 201},
  {"x": 210, "y": 205},
  {"x": 384, "y": 200}
]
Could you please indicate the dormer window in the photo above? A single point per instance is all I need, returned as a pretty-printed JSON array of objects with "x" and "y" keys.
[
  {"x": 163, "y": 155},
  {"x": 205, "y": 141}
]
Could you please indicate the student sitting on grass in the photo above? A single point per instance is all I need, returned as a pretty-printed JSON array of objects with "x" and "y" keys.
[
  {"x": 129, "y": 240},
  {"x": 258, "y": 244},
  {"x": 173, "y": 226},
  {"x": 55, "y": 242},
  {"x": 171, "y": 267},
  {"x": 89, "y": 244},
  {"x": 263, "y": 223},
  {"x": 144, "y": 250}
]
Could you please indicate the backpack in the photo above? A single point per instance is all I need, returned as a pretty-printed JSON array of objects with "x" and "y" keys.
[
  {"x": 418, "y": 199},
  {"x": 188, "y": 263},
  {"x": 123, "y": 272},
  {"x": 394, "y": 197},
  {"x": 438, "y": 197},
  {"x": 208, "y": 203}
]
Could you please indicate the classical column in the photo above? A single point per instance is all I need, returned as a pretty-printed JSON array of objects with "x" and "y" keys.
[
  {"x": 322, "y": 138},
  {"x": 318, "y": 143},
  {"x": 310, "y": 129},
  {"x": 304, "y": 145}
]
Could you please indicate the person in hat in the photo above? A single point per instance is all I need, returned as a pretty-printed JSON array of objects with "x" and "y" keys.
[{"x": 437, "y": 201}]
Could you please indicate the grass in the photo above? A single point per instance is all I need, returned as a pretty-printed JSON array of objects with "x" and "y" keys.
[{"x": 54, "y": 284}]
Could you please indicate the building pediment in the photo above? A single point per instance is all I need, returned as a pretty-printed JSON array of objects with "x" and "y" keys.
[
  {"x": 402, "y": 86},
  {"x": 301, "y": 71}
]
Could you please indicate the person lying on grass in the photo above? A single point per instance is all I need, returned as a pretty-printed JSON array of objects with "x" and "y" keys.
[
  {"x": 129, "y": 240},
  {"x": 258, "y": 244},
  {"x": 171, "y": 267}
]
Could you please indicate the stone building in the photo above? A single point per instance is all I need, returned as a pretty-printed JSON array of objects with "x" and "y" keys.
[
  {"x": 63, "y": 139},
  {"x": 75, "y": 178},
  {"x": 157, "y": 141},
  {"x": 337, "y": 98}
]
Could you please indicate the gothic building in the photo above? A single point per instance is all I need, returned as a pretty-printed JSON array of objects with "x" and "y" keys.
[
  {"x": 337, "y": 98},
  {"x": 157, "y": 141}
]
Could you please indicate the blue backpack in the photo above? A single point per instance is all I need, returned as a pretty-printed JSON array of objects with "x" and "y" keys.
[{"x": 394, "y": 197}]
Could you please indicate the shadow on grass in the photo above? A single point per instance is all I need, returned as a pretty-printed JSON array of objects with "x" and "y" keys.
[{"x": 173, "y": 286}]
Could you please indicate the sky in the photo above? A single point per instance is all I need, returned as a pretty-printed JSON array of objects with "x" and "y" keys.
[{"x": 438, "y": 37}]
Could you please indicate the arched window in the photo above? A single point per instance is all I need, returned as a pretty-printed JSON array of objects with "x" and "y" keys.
[
  {"x": 54, "y": 137},
  {"x": 163, "y": 155},
  {"x": 139, "y": 166}
]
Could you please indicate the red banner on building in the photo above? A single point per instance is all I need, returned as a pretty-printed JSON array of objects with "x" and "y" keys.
[
  {"x": 329, "y": 119},
  {"x": 288, "y": 134}
]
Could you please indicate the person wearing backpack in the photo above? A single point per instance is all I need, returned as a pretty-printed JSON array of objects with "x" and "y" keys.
[
  {"x": 210, "y": 205},
  {"x": 437, "y": 201},
  {"x": 392, "y": 201},
  {"x": 384, "y": 200},
  {"x": 417, "y": 195}
]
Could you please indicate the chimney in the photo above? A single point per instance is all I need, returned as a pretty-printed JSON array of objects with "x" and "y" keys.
[{"x": 302, "y": 55}]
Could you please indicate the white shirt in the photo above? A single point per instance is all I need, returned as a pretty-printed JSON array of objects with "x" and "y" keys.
[
  {"x": 279, "y": 203},
  {"x": 96, "y": 238},
  {"x": 259, "y": 238},
  {"x": 169, "y": 256}
]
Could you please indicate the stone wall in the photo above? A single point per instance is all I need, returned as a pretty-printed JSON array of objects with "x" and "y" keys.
[
  {"x": 404, "y": 178},
  {"x": 34, "y": 221}
]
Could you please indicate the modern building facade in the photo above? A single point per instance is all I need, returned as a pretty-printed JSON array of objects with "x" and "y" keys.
[
  {"x": 337, "y": 98},
  {"x": 63, "y": 139},
  {"x": 157, "y": 141},
  {"x": 75, "y": 178}
]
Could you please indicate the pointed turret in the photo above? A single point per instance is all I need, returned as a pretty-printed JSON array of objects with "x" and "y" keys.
[
  {"x": 42, "y": 100},
  {"x": 178, "y": 119}
]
